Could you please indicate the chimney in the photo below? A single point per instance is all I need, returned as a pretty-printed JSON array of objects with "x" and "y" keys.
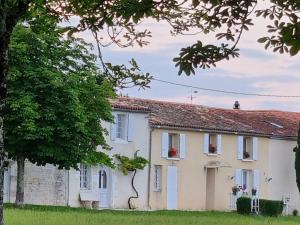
[{"x": 236, "y": 105}]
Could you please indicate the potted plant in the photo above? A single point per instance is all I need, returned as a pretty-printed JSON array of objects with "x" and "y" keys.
[
  {"x": 212, "y": 148},
  {"x": 235, "y": 190},
  {"x": 246, "y": 155},
  {"x": 254, "y": 191},
  {"x": 172, "y": 152}
]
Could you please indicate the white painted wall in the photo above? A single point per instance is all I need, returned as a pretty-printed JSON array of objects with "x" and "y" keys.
[
  {"x": 119, "y": 184},
  {"x": 282, "y": 171}
]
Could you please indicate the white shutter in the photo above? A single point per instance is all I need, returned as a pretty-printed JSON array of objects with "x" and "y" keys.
[
  {"x": 113, "y": 128},
  {"x": 206, "y": 143},
  {"x": 238, "y": 177},
  {"x": 255, "y": 148},
  {"x": 182, "y": 146},
  {"x": 165, "y": 145},
  {"x": 240, "y": 146},
  {"x": 256, "y": 179},
  {"x": 130, "y": 127},
  {"x": 219, "y": 144}
]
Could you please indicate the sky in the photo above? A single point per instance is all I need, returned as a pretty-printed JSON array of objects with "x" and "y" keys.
[{"x": 255, "y": 71}]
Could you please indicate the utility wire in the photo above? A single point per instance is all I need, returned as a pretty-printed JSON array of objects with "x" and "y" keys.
[{"x": 227, "y": 92}]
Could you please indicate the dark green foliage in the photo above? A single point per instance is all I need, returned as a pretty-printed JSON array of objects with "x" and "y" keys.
[
  {"x": 55, "y": 102},
  {"x": 130, "y": 164},
  {"x": 243, "y": 205},
  {"x": 297, "y": 160},
  {"x": 270, "y": 207},
  {"x": 295, "y": 212}
]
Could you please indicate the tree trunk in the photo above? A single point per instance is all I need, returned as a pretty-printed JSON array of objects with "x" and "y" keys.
[
  {"x": 20, "y": 182},
  {"x": 9, "y": 16}
]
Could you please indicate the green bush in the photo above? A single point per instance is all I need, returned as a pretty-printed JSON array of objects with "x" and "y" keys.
[
  {"x": 270, "y": 207},
  {"x": 243, "y": 205}
]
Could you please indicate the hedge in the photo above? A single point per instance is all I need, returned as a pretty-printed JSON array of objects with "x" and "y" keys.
[
  {"x": 270, "y": 207},
  {"x": 243, "y": 205}
]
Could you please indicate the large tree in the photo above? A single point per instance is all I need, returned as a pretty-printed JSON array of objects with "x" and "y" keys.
[
  {"x": 55, "y": 102},
  {"x": 118, "y": 18}
]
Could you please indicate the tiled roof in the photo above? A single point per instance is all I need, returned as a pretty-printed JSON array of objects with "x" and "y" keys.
[{"x": 189, "y": 116}]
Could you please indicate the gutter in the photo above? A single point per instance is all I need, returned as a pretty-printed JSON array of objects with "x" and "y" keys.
[{"x": 225, "y": 132}]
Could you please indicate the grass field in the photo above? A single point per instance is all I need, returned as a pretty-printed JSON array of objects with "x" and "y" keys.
[{"x": 33, "y": 215}]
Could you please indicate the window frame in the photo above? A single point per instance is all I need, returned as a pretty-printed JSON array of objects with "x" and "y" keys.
[
  {"x": 247, "y": 141},
  {"x": 124, "y": 123},
  {"x": 85, "y": 177},
  {"x": 157, "y": 178},
  {"x": 174, "y": 142}
]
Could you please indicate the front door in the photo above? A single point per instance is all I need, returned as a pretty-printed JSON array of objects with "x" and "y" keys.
[
  {"x": 210, "y": 188},
  {"x": 172, "y": 188},
  {"x": 104, "y": 187}
]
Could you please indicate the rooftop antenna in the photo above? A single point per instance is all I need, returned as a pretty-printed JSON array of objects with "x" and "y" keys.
[{"x": 191, "y": 97}]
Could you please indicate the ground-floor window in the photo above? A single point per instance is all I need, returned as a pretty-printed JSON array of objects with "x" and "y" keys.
[
  {"x": 85, "y": 174},
  {"x": 157, "y": 178}
]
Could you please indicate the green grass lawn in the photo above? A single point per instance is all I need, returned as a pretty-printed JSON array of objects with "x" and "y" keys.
[{"x": 34, "y": 215}]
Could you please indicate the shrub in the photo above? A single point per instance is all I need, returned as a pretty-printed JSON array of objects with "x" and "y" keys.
[
  {"x": 243, "y": 205},
  {"x": 295, "y": 212},
  {"x": 270, "y": 207}
]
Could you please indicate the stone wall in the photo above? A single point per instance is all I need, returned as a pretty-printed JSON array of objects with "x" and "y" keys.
[{"x": 44, "y": 185}]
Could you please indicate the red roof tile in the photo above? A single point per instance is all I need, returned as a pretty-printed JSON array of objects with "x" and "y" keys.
[{"x": 189, "y": 116}]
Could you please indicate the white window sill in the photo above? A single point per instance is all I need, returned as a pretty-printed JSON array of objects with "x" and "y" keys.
[
  {"x": 157, "y": 190},
  {"x": 120, "y": 141},
  {"x": 212, "y": 154},
  {"x": 247, "y": 160},
  {"x": 174, "y": 159}
]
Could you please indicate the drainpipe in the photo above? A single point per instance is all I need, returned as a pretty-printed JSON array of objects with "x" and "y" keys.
[
  {"x": 68, "y": 188},
  {"x": 149, "y": 168}
]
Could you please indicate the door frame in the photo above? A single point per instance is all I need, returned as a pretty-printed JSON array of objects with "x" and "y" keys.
[{"x": 108, "y": 185}]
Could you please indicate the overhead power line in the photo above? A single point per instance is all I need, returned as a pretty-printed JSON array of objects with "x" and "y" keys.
[{"x": 227, "y": 92}]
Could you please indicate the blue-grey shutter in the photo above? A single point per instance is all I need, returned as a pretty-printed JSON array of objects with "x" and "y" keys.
[
  {"x": 206, "y": 143},
  {"x": 113, "y": 128},
  {"x": 182, "y": 145},
  {"x": 165, "y": 145},
  {"x": 256, "y": 180},
  {"x": 130, "y": 128},
  {"x": 238, "y": 177},
  {"x": 219, "y": 144},
  {"x": 240, "y": 146},
  {"x": 255, "y": 148}
]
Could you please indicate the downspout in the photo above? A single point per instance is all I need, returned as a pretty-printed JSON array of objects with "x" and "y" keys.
[
  {"x": 68, "y": 188},
  {"x": 149, "y": 167}
]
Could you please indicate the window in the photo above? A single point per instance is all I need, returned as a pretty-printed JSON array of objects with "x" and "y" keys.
[
  {"x": 212, "y": 148},
  {"x": 121, "y": 126},
  {"x": 247, "y": 181},
  {"x": 247, "y": 148},
  {"x": 85, "y": 173},
  {"x": 102, "y": 179},
  {"x": 173, "y": 146},
  {"x": 157, "y": 178}
]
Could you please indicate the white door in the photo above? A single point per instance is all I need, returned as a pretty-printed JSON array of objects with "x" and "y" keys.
[
  {"x": 6, "y": 186},
  {"x": 104, "y": 187},
  {"x": 172, "y": 188}
]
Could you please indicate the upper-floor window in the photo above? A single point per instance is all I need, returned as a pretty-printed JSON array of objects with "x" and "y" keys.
[
  {"x": 173, "y": 145},
  {"x": 247, "y": 148},
  {"x": 85, "y": 176},
  {"x": 212, "y": 148},
  {"x": 212, "y": 143},
  {"x": 122, "y": 127}
]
